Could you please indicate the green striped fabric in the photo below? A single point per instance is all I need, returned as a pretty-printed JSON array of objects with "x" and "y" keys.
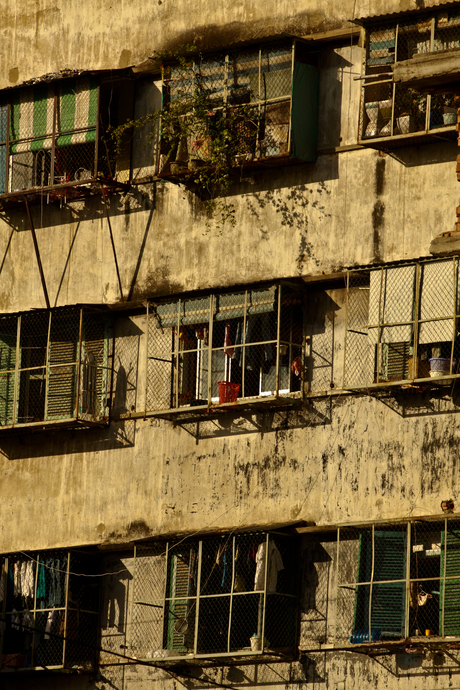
[{"x": 32, "y": 112}]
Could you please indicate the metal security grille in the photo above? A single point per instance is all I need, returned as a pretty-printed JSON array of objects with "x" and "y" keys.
[
  {"x": 395, "y": 109},
  {"x": 50, "y": 611},
  {"x": 221, "y": 348},
  {"x": 250, "y": 92},
  {"x": 48, "y": 135},
  {"x": 398, "y": 581},
  {"x": 402, "y": 324},
  {"x": 225, "y": 596},
  {"x": 54, "y": 367}
]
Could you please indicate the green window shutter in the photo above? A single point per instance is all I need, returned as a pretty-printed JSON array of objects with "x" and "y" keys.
[
  {"x": 304, "y": 114},
  {"x": 62, "y": 379},
  {"x": 181, "y": 585},
  {"x": 450, "y": 553},
  {"x": 62, "y": 365},
  {"x": 7, "y": 376},
  {"x": 387, "y": 600}
]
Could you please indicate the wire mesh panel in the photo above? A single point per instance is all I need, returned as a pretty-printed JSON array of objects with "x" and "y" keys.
[
  {"x": 402, "y": 324},
  {"x": 220, "y": 348},
  {"x": 95, "y": 369},
  {"x": 394, "y": 109},
  {"x": 52, "y": 135},
  {"x": 224, "y": 595},
  {"x": 371, "y": 580},
  {"x": 247, "y": 93},
  {"x": 52, "y": 362},
  {"x": 398, "y": 581},
  {"x": 48, "y": 623}
]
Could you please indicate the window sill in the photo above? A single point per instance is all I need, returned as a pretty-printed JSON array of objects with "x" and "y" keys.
[
  {"x": 214, "y": 410},
  {"x": 411, "y": 139}
]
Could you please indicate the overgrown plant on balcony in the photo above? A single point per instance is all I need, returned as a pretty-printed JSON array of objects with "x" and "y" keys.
[{"x": 203, "y": 141}]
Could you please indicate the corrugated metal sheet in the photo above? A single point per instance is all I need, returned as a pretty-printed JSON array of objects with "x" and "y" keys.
[{"x": 371, "y": 11}]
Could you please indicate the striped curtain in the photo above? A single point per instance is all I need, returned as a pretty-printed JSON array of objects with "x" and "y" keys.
[{"x": 32, "y": 113}]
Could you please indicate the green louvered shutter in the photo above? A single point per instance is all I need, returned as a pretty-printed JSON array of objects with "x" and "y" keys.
[
  {"x": 7, "y": 377},
  {"x": 387, "y": 598},
  {"x": 62, "y": 367},
  {"x": 450, "y": 552},
  {"x": 181, "y": 585}
]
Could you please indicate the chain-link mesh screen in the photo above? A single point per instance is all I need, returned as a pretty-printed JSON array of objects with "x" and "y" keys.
[
  {"x": 95, "y": 371},
  {"x": 52, "y": 136},
  {"x": 225, "y": 347},
  {"x": 396, "y": 109},
  {"x": 217, "y": 596},
  {"x": 248, "y": 93},
  {"x": 317, "y": 589},
  {"x": 398, "y": 581},
  {"x": 391, "y": 311},
  {"x": 48, "y": 623},
  {"x": 40, "y": 381}
]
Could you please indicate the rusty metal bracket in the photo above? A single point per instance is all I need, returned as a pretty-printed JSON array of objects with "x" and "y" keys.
[
  {"x": 37, "y": 254},
  {"x": 112, "y": 241}
]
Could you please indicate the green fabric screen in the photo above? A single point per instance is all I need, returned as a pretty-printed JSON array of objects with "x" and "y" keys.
[
  {"x": 32, "y": 115},
  {"x": 228, "y": 306},
  {"x": 304, "y": 114}
]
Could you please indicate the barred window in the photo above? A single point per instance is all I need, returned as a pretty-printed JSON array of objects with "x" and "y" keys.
[
  {"x": 54, "y": 368},
  {"x": 402, "y": 324},
  {"x": 50, "y": 602},
  {"x": 223, "y": 596},
  {"x": 268, "y": 95},
  {"x": 225, "y": 348},
  {"x": 403, "y": 60}
]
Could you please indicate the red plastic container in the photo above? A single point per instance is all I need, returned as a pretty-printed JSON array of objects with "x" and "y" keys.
[{"x": 228, "y": 392}]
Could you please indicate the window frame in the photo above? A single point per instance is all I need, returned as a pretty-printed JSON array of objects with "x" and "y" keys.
[
  {"x": 60, "y": 342},
  {"x": 413, "y": 296},
  {"x": 159, "y": 626},
  {"x": 377, "y": 73},
  {"x": 54, "y": 588},
  {"x": 241, "y": 306},
  {"x": 401, "y": 556},
  {"x": 297, "y": 143}
]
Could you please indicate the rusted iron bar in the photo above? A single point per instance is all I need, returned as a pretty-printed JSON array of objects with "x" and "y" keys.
[{"x": 37, "y": 254}]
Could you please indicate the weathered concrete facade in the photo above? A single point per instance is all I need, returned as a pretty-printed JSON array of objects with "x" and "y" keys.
[{"x": 336, "y": 454}]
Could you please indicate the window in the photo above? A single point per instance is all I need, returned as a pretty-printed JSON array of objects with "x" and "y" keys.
[
  {"x": 50, "y": 611},
  {"x": 50, "y": 134},
  {"x": 274, "y": 88},
  {"x": 54, "y": 368},
  {"x": 395, "y": 102},
  {"x": 225, "y": 347},
  {"x": 402, "y": 324},
  {"x": 399, "y": 581},
  {"x": 220, "y": 596}
]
